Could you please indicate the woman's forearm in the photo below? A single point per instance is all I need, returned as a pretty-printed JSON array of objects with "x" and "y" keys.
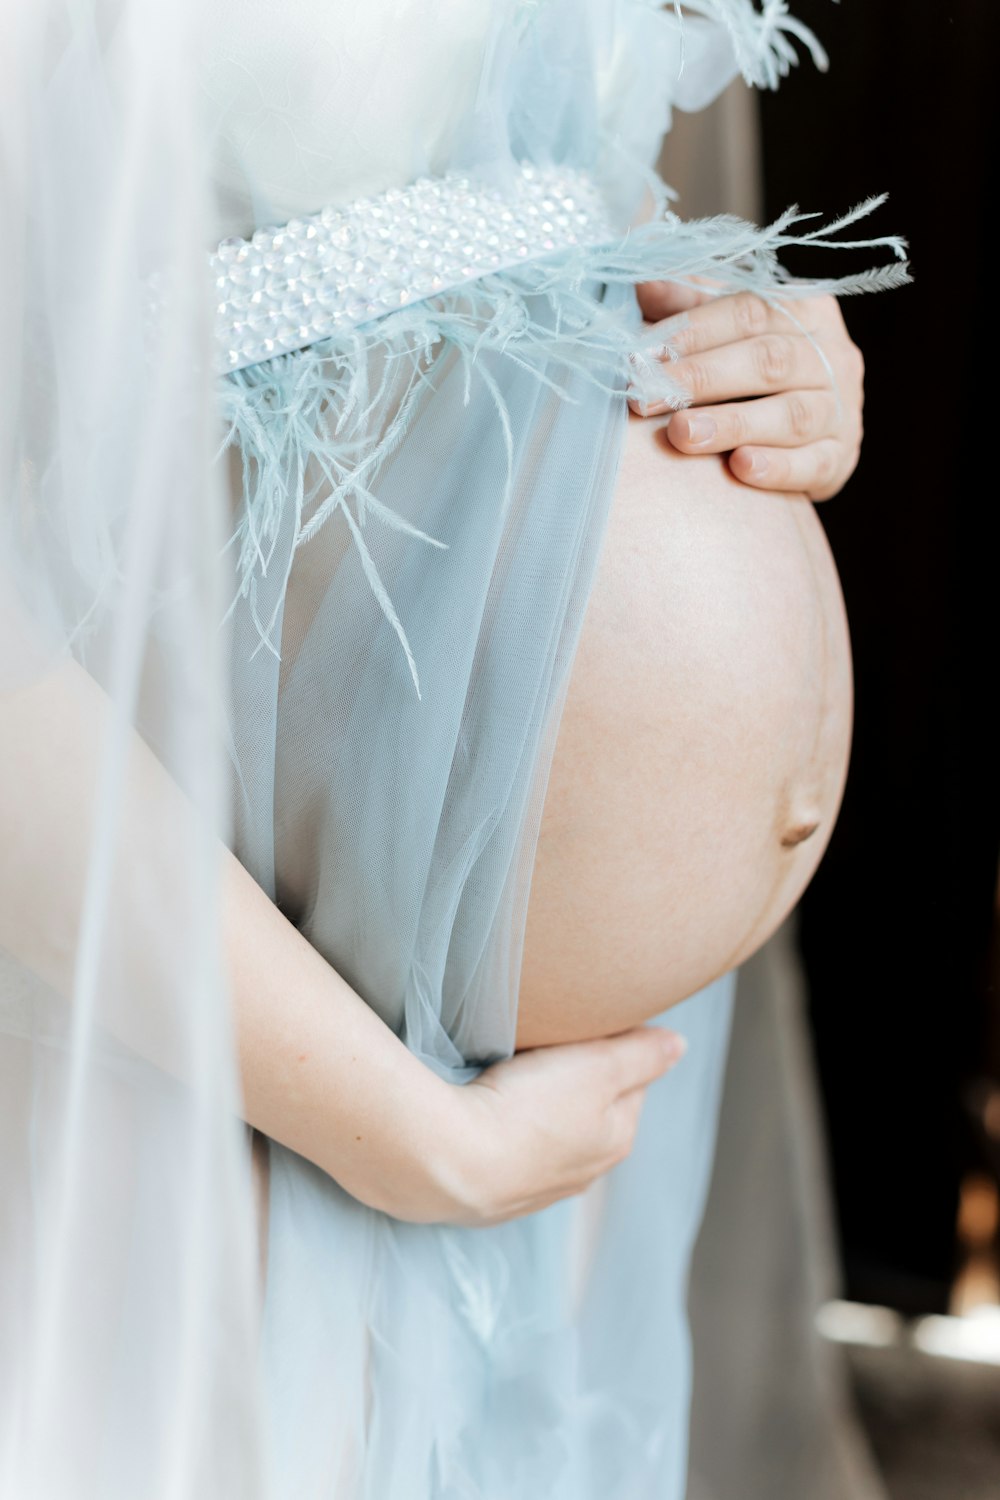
[{"x": 320, "y": 1071}]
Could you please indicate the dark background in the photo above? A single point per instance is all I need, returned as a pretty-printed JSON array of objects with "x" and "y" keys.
[{"x": 897, "y": 927}]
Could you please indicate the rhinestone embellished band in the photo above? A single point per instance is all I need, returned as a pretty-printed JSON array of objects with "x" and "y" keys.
[{"x": 291, "y": 285}]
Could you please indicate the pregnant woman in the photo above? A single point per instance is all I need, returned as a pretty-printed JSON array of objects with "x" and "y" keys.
[{"x": 536, "y": 710}]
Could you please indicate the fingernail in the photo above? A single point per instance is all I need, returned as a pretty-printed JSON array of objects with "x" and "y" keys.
[
  {"x": 669, "y": 345},
  {"x": 650, "y": 408},
  {"x": 676, "y": 1046},
  {"x": 671, "y": 331},
  {"x": 758, "y": 465},
  {"x": 700, "y": 430}
]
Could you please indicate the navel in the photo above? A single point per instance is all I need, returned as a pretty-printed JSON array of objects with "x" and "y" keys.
[{"x": 798, "y": 834}]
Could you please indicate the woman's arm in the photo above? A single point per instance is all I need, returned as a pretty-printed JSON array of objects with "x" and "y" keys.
[
  {"x": 788, "y": 417},
  {"x": 320, "y": 1071},
  {"x": 323, "y": 1074},
  {"x": 780, "y": 392}
]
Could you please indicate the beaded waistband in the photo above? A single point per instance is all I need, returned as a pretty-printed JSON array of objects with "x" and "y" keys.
[{"x": 289, "y": 286}]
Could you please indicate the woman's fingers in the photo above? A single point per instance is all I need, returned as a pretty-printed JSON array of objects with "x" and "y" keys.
[
  {"x": 624, "y": 1121},
  {"x": 545, "y": 1123},
  {"x": 780, "y": 388},
  {"x": 636, "y": 1057},
  {"x": 716, "y": 320},
  {"x": 692, "y": 318},
  {"x": 786, "y": 421},
  {"x": 770, "y": 362},
  {"x": 794, "y": 442},
  {"x": 818, "y": 470},
  {"x": 664, "y": 299}
]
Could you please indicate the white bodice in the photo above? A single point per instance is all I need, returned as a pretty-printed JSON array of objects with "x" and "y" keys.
[
  {"x": 321, "y": 101},
  {"x": 318, "y": 102}
]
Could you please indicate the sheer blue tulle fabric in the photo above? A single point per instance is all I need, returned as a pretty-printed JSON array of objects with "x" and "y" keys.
[{"x": 546, "y": 1357}]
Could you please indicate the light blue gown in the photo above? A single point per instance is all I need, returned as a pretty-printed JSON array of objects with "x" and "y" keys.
[
  {"x": 420, "y": 486},
  {"x": 547, "y": 1358},
  {"x": 544, "y": 1359}
]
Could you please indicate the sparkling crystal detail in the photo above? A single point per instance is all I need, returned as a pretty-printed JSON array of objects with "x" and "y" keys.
[{"x": 292, "y": 284}]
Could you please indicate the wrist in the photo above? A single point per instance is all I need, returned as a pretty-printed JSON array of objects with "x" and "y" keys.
[
  {"x": 415, "y": 1161},
  {"x": 452, "y": 1165},
  {"x": 464, "y": 1156}
]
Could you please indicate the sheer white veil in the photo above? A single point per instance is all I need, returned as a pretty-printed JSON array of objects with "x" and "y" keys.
[{"x": 127, "y": 1306}]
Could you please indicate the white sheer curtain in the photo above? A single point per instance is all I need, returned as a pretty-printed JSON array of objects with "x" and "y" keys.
[{"x": 127, "y": 1307}]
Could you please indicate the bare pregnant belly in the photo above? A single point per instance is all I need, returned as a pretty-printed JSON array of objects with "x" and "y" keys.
[{"x": 702, "y": 749}]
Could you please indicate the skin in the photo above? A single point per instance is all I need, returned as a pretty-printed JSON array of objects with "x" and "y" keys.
[
  {"x": 760, "y": 390},
  {"x": 320, "y": 1072},
  {"x": 703, "y": 745},
  {"x": 702, "y": 748}
]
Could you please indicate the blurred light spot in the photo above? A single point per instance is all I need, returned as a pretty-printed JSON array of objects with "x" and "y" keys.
[
  {"x": 975, "y": 1337},
  {"x": 857, "y": 1323},
  {"x": 979, "y": 1210}
]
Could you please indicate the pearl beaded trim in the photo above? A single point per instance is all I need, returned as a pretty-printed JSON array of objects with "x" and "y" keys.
[{"x": 291, "y": 285}]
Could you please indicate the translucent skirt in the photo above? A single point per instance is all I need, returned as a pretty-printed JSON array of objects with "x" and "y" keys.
[{"x": 546, "y": 1357}]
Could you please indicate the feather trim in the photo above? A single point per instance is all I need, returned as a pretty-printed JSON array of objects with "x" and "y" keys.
[{"x": 303, "y": 422}]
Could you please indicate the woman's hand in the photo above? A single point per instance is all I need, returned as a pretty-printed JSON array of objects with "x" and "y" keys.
[
  {"x": 760, "y": 390},
  {"x": 547, "y": 1122}
]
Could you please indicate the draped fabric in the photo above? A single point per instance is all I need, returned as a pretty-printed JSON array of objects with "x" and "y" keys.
[
  {"x": 127, "y": 1295},
  {"x": 770, "y": 1411},
  {"x": 162, "y": 689}
]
